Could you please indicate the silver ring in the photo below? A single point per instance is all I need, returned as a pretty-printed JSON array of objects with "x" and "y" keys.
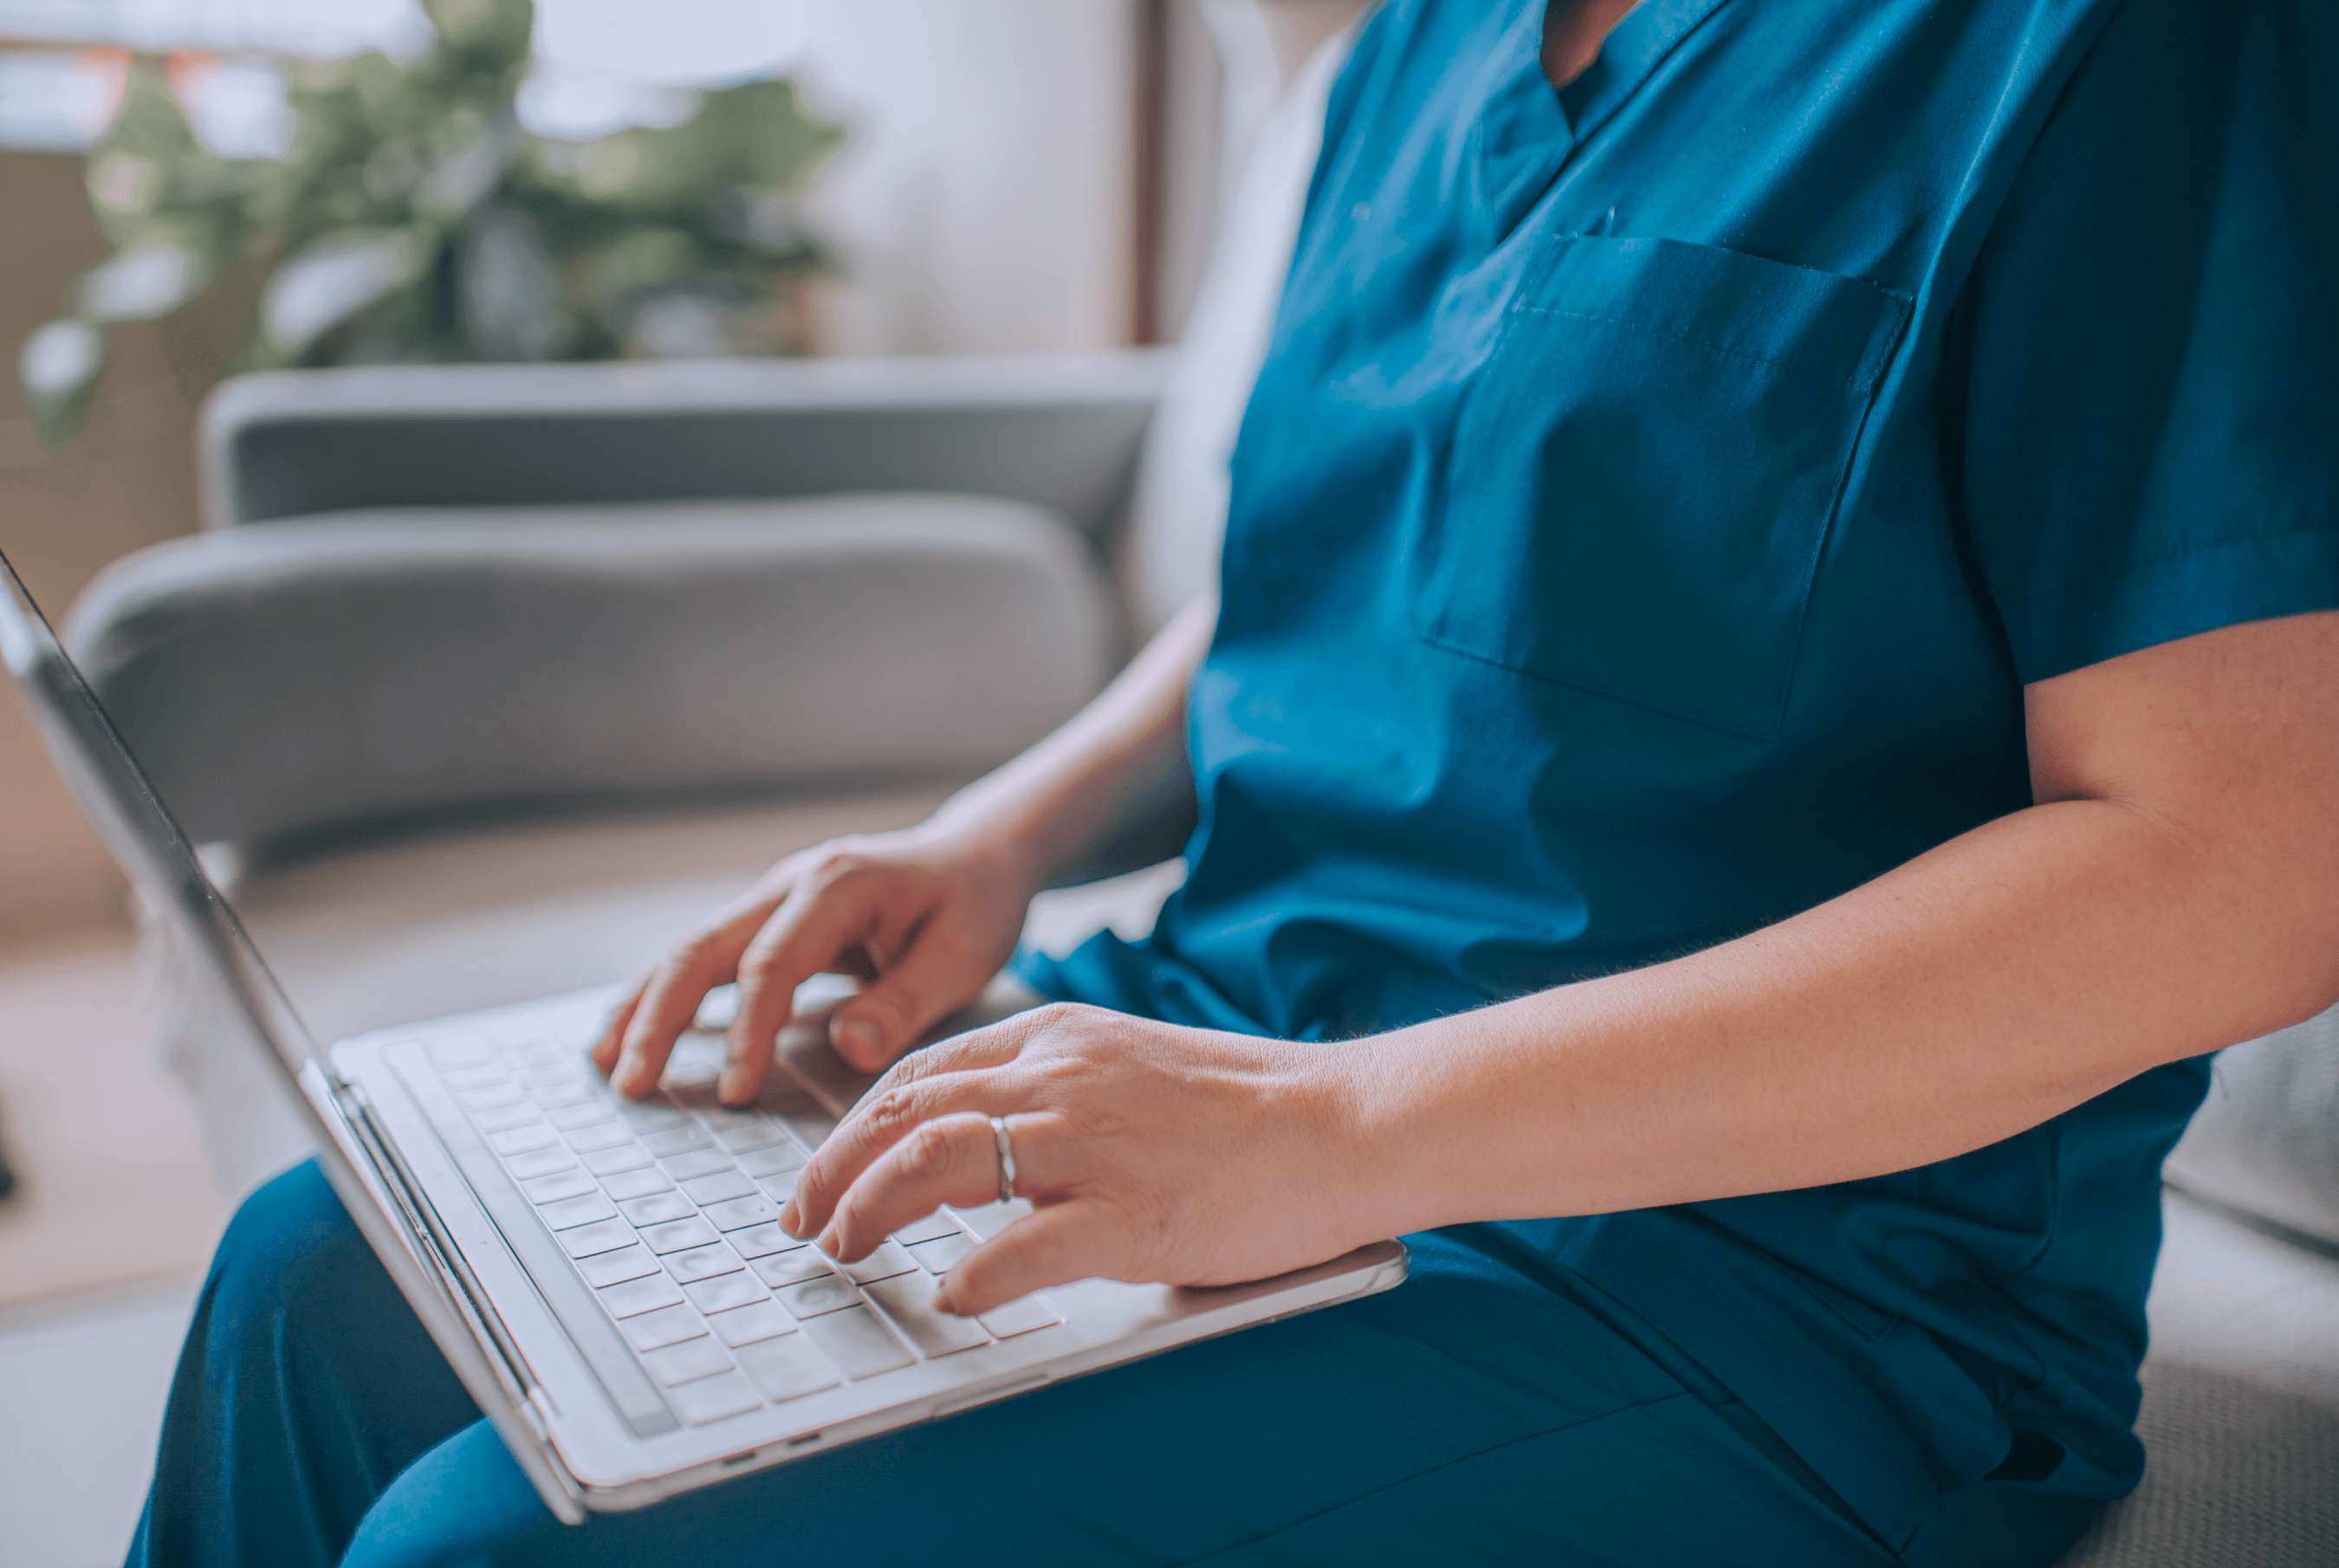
[{"x": 1006, "y": 1158}]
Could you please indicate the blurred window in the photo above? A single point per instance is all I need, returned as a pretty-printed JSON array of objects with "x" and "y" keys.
[
  {"x": 325, "y": 28},
  {"x": 602, "y": 65}
]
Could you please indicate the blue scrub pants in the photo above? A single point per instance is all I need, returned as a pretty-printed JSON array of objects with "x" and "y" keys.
[{"x": 1488, "y": 1410}]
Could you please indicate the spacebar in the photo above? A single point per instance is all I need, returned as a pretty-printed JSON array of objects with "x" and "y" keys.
[{"x": 597, "y": 1339}]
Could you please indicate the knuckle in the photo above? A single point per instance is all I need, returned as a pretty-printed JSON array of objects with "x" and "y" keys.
[
  {"x": 834, "y": 863},
  {"x": 893, "y": 1114},
  {"x": 926, "y": 1154},
  {"x": 698, "y": 944}
]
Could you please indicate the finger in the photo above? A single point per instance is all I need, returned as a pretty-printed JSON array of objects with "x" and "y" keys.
[
  {"x": 669, "y": 999},
  {"x": 808, "y": 933},
  {"x": 936, "y": 974},
  {"x": 951, "y": 1159},
  {"x": 886, "y": 1114},
  {"x": 1080, "y": 1239},
  {"x": 612, "y": 1037}
]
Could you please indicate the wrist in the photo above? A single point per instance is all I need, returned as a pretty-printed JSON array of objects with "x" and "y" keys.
[
  {"x": 1356, "y": 1092},
  {"x": 995, "y": 843}
]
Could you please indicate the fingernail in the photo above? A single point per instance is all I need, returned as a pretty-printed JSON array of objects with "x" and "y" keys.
[
  {"x": 727, "y": 1087},
  {"x": 942, "y": 1301},
  {"x": 790, "y": 1220},
  {"x": 828, "y": 1242},
  {"x": 859, "y": 1033}
]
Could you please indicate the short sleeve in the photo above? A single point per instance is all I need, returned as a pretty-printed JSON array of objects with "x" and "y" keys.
[{"x": 2146, "y": 359}]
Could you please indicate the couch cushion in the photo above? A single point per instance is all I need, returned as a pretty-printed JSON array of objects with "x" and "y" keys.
[
  {"x": 285, "y": 680},
  {"x": 2241, "y": 1407},
  {"x": 2265, "y": 1142}
]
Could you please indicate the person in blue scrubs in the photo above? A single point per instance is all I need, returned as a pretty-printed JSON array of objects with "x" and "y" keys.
[{"x": 1773, "y": 695}]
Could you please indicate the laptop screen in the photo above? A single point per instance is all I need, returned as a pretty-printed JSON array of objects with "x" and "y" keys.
[{"x": 113, "y": 794}]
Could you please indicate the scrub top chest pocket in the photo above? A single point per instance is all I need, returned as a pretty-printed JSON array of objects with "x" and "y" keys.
[{"x": 1642, "y": 471}]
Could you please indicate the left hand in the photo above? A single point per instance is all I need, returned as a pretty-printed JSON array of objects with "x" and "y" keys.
[{"x": 1152, "y": 1153}]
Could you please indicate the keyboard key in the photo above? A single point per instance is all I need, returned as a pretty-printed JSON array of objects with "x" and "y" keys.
[
  {"x": 989, "y": 1219},
  {"x": 613, "y": 1267},
  {"x": 774, "y": 1160},
  {"x": 675, "y": 1139},
  {"x": 640, "y": 1183},
  {"x": 908, "y": 1301},
  {"x": 1021, "y": 1316},
  {"x": 714, "y": 1188},
  {"x": 829, "y": 1293},
  {"x": 793, "y": 1267},
  {"x": 781, "y": 1187},
  {"x": 856, "y": 1342},
  {"x": 494, "y": 1098},
  {"x": 521, "y": 1139},
  {"x": 569, "y": 1183},
  {"x": 762, "y": 1241},
  {"x": 765, "y": 1320},
  {"x": 693, "y": 1163},
  {"x": 635, "y": 1297},
  {"x": 609, "y": 1161},
  {"x": 666, "y": 1325},
  {"x": 570, "y": 1118},
  {"x": 657, "y": 1209},
  {"x": 702, "y": 1263},
  {"x": 941, "y": 1254},
  {"x": 741, "y": 1137},
  {"x": 712, "y": 1398},
  {"x": 786, "y": 1368},
  {"x": 600, "y": 1135},
  {"x": 741, "y": 1212},
  {"x": 699, "y": 1357},
  {"x": 725, "y": 1291},
  {"x": 463, "y": 1079},
  {"x": 575, "y": 1212},
  {"x": 568, "y": 1093},
  {"x": 646, "y": 1116},
  {"x": 933, "y": 1227},
  {"x": 887, "y": 1261},
  {"x": 505, "y": 1119},
  {"x": 461, "y": 1050},
  {"x": 540, "y": 1162},
  {"x": 678, "y": 1234},
  {"x": 607, "y": 1236}
]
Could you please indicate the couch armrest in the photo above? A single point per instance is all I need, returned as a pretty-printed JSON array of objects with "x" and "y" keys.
[
  {"x": 1059, "y": 431},
  {"x": 288, "y": 683}
]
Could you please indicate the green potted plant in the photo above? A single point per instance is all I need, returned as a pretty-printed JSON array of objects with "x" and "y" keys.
[{"x": 416, "y": 219}]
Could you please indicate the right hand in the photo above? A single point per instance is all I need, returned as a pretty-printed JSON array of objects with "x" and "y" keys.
[{"x": 923, "y": 917}]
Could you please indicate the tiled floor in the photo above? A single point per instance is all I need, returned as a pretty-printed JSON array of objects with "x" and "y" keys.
[{"x": 82, "y": 1384}]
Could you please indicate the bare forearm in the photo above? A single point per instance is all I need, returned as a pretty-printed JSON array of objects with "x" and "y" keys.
[
  {"x": 1971, "y": 993},
  {"x": 1114, "y": 773}
]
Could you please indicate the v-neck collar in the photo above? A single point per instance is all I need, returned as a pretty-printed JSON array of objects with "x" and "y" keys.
[{"x": 1526, "y": 130}]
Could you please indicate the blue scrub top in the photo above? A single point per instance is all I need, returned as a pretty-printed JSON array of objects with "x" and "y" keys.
[{"x": 1656, "y": 496}]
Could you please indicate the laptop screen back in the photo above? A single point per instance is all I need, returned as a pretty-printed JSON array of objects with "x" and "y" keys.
[{"x": 113, "y": 794}]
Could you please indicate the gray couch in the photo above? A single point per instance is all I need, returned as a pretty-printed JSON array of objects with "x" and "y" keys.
[{"x": 483, "y": 684}]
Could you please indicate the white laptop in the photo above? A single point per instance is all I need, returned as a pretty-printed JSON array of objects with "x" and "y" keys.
[{"x": 605, "y": 1276}]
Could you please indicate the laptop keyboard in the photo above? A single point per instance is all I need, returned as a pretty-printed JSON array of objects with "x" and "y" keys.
[{"x": 668, "y": 1208}]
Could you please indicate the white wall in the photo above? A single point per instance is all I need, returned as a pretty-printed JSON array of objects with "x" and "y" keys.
[{"x": 983, "y": 199}]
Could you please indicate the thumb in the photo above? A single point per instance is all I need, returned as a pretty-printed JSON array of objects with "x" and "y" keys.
[{"x": 930, "y": 980}]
